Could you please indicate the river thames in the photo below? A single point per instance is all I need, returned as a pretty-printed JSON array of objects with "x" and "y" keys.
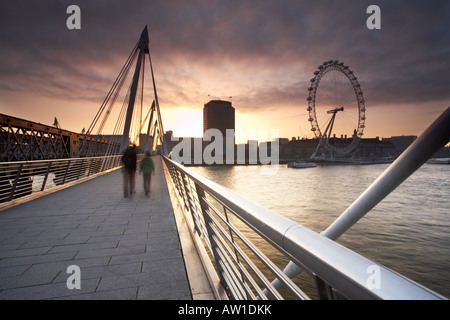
[{"x": 407, "y": 232}]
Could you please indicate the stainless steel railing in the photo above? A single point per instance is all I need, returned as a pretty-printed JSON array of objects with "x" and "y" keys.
[
  {"x": 230, "y": 225},
  {"x": 22, "y": 178}
]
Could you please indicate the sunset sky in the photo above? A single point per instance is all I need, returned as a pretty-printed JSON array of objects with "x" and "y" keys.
[{"x": 261, "y": 53}]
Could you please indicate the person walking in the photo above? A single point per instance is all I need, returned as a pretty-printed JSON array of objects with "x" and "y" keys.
[
  {"x": 147, "y": 167},
  {"x": 129, "y": 170}
]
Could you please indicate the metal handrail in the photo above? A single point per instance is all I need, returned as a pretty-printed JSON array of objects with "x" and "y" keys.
[
  {"x": 337, "y": 271},
  {"x": 22, "y": 178}
]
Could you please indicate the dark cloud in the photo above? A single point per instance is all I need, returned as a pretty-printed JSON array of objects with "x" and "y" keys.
[{"x": 261, "y": 52}]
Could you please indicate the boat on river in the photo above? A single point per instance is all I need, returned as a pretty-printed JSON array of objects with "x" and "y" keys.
[{"x": 300, "y": 165}]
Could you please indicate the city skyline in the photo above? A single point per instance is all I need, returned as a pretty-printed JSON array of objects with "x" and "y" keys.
[{"x": 263, "y": 57}]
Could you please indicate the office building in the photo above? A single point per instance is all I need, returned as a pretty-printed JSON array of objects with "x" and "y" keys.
[{"x": 218, "y": 114}]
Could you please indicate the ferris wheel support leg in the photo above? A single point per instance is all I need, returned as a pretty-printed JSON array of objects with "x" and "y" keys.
[{"x": 436, "y": 136}]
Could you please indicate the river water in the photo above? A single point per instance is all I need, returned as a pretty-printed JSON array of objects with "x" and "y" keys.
[{"x": 408, "y": 232}]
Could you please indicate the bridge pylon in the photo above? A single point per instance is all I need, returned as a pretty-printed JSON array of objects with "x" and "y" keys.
[{"x": 130, "y": 122}]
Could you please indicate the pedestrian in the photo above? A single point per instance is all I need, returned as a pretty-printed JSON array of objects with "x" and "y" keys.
[
  {"x": 147, "y": 167},
  {"x": 129, "y": 170}
]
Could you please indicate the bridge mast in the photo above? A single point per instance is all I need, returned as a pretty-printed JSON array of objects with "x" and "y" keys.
[{"x": 143, "y": 49}]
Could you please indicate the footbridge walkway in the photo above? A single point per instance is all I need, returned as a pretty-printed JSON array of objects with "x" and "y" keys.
[{"x": 125, "y": 248}]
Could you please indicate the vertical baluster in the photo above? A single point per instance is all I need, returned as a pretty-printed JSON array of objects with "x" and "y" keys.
[
  {"x": 16, "y": 180},
  {"x": 67, "y": 170},
  {"x": 46, "y": 175}
]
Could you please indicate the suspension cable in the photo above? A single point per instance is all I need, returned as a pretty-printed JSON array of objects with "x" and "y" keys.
[{"x": 122, "y": 74}]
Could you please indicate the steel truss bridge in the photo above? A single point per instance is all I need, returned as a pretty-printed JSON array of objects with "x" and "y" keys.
[
  {"x": 23, "y": 140},
  {"x": 220, "y": 222}
]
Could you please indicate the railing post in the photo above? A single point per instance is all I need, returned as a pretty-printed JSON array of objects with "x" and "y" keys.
[
  {"x": 16, "y": 180},
  {"x": 65, "y": 173},
  {"x": 323, "y": 289},
  {"x": 46, "y": 175}
]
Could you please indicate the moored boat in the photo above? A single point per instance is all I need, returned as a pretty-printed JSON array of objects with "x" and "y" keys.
[{"x": 300, "y": 165}]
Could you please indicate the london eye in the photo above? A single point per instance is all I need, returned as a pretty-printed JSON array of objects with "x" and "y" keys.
[{"x": 336, "y": 108}]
